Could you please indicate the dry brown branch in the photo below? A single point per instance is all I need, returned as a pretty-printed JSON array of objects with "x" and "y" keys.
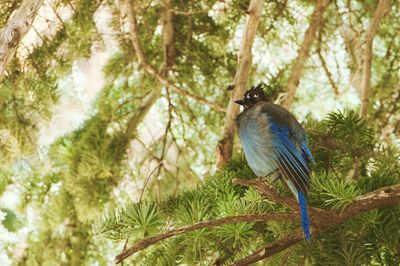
[
  {"x": 382, "y": 9},
  {"x": 205, "y": 224},
  {"x": 303, "y": 54},
  {"x": 244, "y": 58},
  {"x": 134, "y": 31},
  {"x": 328, "y": 73},
  {"x": 322, "y": 221},
  {"x": 15, "y": 30},
  {"x": 148, "y": 179}
]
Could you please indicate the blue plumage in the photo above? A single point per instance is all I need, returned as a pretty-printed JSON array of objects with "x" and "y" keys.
[
  {"x": 305, "y": 222},
  {"x": 272, "y": 139}
]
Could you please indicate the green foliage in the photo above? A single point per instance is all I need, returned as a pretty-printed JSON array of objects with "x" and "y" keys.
[
  {"x": 217, "y": 197},
  {"x": 140, "y": 219},
  {"x": 83, "y": 189},
  {"x": 5, "y": 180},
  {"x": 334, "y": 192},
  {"x": 11, "y": 221},
  {"x": 91, "y": 159},
  {"x": 350, "y": 128}
]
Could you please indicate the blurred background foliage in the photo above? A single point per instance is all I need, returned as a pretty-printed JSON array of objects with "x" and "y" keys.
[{"x": 79, "y": 195}]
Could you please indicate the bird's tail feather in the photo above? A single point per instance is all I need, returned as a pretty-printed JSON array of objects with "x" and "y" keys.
[{"x": 305, "y": 221}]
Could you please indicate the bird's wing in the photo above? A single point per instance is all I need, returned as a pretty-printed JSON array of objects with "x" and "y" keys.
[
  {"x": 291, "y": 162},
  {"x": 297, "y": 134},
  {"x": 290, "y": 146}
]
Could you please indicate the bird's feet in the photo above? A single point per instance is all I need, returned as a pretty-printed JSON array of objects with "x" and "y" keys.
[{"x": 274, "y": 173}]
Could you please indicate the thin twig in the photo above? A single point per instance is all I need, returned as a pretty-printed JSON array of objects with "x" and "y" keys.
[
  {"x": 124, "y": 248},
  {"x": 324, "y": 65},
  {"x": 148, "y": 178}
]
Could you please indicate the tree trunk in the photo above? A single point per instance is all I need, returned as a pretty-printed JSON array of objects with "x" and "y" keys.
[{"x": 225, "y": 145}]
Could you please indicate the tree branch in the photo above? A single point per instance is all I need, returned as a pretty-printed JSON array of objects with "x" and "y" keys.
[
  {"x": 382, "y": 9},
  {"x": 321, "y": 220},
  {"x": 304, "y": 51},
  {"x": 133, "y": 27},
  {"x": 383, "y": 197},
  {"x": 244, "y": 59},
  {"x": 169, "y": 58},
  {"x": 272, "y": 248},
  {"x": 205, "y": 224},
  {"x": 324, "y": 65},
  {"x": 15, "y": 30}
]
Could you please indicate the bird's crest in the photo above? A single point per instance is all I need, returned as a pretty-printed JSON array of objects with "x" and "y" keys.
[{"x": 253, "y": 96}]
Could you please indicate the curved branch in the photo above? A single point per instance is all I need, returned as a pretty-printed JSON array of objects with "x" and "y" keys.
[
  {"x": 383, "y": 197},
  {"x": 15, "y": 30},
  {"x": 200, "y": 225},
  {"x": 168, "y": 60}
]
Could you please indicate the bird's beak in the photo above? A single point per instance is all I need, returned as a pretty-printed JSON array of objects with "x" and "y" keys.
[{"x": 241, "y": 102}]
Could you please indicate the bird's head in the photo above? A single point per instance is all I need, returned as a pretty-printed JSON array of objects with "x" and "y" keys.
[{"x": 253, "y": 96}]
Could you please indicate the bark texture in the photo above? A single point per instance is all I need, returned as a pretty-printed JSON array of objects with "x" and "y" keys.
[{"x": 16, "y": 28}]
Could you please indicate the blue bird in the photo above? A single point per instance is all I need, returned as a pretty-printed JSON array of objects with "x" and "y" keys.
[{"x": 274, "y": 141}]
